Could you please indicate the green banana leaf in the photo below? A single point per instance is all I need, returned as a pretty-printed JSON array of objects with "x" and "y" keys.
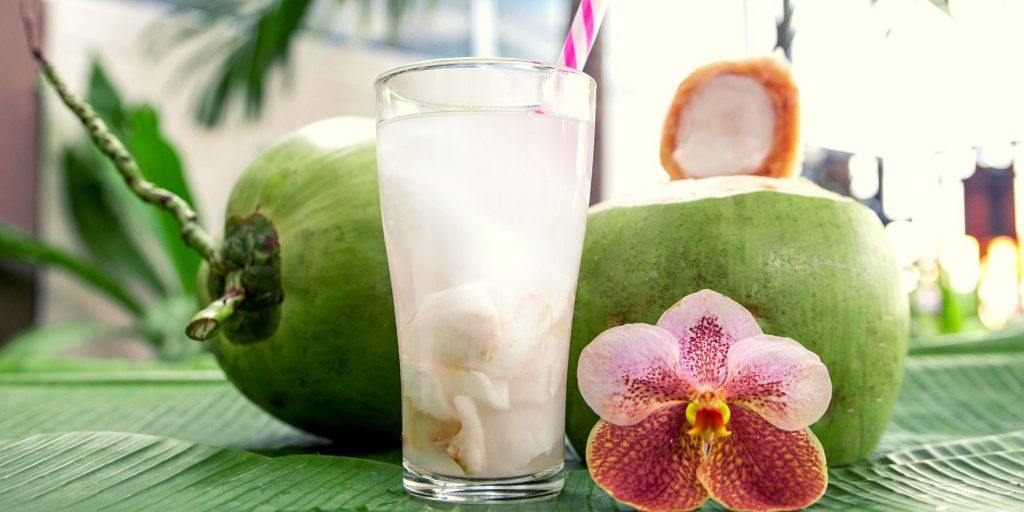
[
  {"x": 111, "y": 470},
  {"x": 943, "y": 398},
  {"x": 952, "y": 397},
  {"x": 1008, "y": 340},
  {"x": 197, "y": 405},
  {"x": 18, "y": 245},
  {"x": 974, "y": 474},
  {"x": 956, "y": 441},
  {"x": 75, "y": 365},
  {"x": 138, "y": 472}
]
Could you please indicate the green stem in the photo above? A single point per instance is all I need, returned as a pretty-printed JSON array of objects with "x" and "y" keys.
[
  {"x": 206, "y": 322},
  {"x": 191, "y": 232},
  {"x": 16, "y": 244}
]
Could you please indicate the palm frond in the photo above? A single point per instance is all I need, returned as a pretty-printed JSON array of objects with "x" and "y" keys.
[
  {"x": 248, "y": 41},
  {"x": 257, "y": 45}
]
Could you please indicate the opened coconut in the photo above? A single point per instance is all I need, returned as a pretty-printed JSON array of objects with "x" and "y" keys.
[
  {"x": 809, "y": 264},
  {"x": 734, "y": 117}
]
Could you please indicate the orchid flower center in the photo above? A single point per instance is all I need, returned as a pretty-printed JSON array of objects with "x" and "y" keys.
[{"x": 708, "y": 418}]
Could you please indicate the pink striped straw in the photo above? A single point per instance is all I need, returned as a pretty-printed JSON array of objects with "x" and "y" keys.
[{"x": 581, "y": 35}]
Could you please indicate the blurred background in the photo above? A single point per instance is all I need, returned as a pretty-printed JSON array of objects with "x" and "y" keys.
[{"x": 912, "y": 107}]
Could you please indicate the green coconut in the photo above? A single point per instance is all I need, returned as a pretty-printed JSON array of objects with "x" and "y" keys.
[
  {"x": 297, "y": 295},
  {"x": 809, "y": 264},
  {"x": 313, "y": 342}
]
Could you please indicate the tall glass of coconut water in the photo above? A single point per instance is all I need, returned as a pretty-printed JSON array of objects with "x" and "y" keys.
[{"x": 484, "y": 169}]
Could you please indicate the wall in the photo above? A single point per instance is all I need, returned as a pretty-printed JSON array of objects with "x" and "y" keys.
[{"x": 19, "y": 134}]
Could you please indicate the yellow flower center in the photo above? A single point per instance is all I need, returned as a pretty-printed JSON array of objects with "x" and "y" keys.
[{"x": 708, "y": 418}]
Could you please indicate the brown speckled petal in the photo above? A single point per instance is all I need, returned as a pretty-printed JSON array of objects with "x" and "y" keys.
[
  {"x": 760, "y": 467},
  {"x": 707, "y": 323},
  {"x": 651, "y": 465},
  {"x": 779, "y": 379},
  {"x": 629, "y": 371}
]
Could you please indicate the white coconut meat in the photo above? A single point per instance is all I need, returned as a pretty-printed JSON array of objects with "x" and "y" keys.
[
  {"x": 727, "y": 128},
  {"x": 511, "y": 442},
  {"x": 468, "y": 448},
  {"x": 425, "y": 440},
  {"x": 733, "y": 118},
  {"x": 486, "y": 327},
  {"x": 421, "y": 387},
  {"x": 488, "y": 359},
  {"x": 431, "y": 389},
  {"x": 458, "y": 326},
  {"x": 543, "y": 376}
]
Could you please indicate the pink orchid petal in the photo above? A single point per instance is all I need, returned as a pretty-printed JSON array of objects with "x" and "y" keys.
[
  {"x": 629, "y": 371},
  {"x": 760, "y": 467},
  {"x": 779, "y": 379},
  {"x": 651, "y": 465},
  {"x": 706, "y": 323}
]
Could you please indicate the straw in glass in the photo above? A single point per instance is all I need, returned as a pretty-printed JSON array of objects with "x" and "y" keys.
[{"x": 580, "y": 38}]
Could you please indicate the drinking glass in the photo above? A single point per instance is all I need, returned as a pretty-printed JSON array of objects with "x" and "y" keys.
[{"x": 484, "y": 169}]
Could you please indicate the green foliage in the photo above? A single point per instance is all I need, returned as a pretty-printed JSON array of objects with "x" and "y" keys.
[
  {"x": 46, "y": 344},
  {"x": 17, "y": 245},
  {"x": 163, "y": 326},
  {"x": 104, "y": 219},
  {"x": 260, "y": 39},
  {"x": 160, "y": 164},
  {"x": 114, "y": 224},
  {"x": 133, "y": 251},
  {"x": 104, "y": 97}
]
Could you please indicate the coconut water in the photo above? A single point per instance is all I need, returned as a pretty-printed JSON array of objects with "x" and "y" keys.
[{"x": 484, "y": 214}]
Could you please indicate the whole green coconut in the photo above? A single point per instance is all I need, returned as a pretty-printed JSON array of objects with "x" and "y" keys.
[
  {"x": 809, "y": 264},
  {"x": 314, "y": 341}
]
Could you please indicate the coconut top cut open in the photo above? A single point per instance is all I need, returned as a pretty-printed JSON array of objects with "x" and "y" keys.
[
  {"x": 717, "y": 187},
  {"x": 734, "y": 118}
]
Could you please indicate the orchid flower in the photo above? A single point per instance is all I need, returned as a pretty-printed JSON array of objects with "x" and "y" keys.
[{"x": 704, "y": 404}]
